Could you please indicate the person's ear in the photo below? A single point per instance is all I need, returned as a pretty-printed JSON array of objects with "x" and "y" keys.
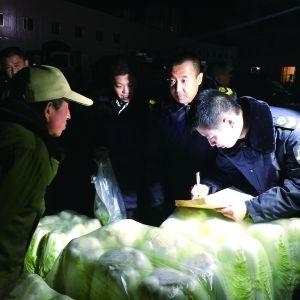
[
  {"x": 26, "y": 63},
  {"x": 48, "y": 110},
  {"x": 199, "y": 78}
]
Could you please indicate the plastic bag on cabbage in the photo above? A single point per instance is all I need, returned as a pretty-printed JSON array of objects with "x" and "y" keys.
[
  {"x": 52, "y": 234},
  {"x": 274, "y": 240},
  {"x": 74, "y": 270},
  {"x": 118, "y": 273},
  {"x": 209, "y": 258},
  {"x": 33, "y": 287},
  {"x": 238, "y": 266},
  {"x": 292, "y": 231},
  {"x": 167, "y": 283}
]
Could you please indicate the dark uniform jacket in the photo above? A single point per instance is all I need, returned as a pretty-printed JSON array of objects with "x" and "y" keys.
[
  {"x": 29, "y": 159},
  {"x": 118, "y": 127},
  {"x": 266, "y": 163},
  {"x": 175, "y": 154}
]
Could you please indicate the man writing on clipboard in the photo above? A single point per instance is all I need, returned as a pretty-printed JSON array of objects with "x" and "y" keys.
[{"x": 258, "y": 152}]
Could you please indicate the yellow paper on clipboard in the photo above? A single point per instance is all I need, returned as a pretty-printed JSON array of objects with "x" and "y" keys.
[{"x": 217, "y": 200}]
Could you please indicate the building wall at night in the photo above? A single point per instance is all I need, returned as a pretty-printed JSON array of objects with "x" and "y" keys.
[{"x": 32, "y": 23}]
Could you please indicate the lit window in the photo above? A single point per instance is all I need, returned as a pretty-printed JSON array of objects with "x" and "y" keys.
[
  {"x": 78, "y": 32},
  {"x": 116, "y": 38},
  {"x": 56, "y": 28},
  {"x": 288, "y": 75},
  {"x": 28, "y": 24},
  {"x": 1, "y": 19}
]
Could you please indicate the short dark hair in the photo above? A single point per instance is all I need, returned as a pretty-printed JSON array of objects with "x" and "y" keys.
[
  {"x": 10, "y": 51},
  {"x": 180, "y": 58},
  {"x": 208, "y": 107},
  {"x": 120, "y": 66}
]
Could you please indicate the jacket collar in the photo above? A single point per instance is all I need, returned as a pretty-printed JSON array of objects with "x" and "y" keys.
[
  {"x": 261, "y": 133},
  {"x": 172, "y": 106},
  {"x": 17, "y": 111}
]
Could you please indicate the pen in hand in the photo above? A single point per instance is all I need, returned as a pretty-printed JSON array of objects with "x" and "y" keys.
[
  {"x": 198, "y": 178},
  {"x": 199, "y": 190},
  {"x": 197, "y": 194}
]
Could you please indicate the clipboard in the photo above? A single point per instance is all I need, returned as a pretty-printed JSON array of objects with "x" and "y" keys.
[
  {"x": 199, "y": 203},
  {"x": 219, "y": 199}
]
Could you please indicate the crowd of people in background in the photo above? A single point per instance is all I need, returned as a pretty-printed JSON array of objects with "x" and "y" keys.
[
  {"x": 145, "y": 127},
  {"x": 158, "y": 137}
]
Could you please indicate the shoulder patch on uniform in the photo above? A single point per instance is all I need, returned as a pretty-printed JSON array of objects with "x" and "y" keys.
[
  {"x": 225, "y": 90},
  {"x": 285, "y": 122},
  {"x": 296, "y": 151}
]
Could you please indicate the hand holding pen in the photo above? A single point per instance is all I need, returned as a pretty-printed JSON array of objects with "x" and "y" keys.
[{"x": 199, "y": 190}]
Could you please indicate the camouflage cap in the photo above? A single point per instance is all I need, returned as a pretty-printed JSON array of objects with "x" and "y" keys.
[{"x": 48, "y": 83}]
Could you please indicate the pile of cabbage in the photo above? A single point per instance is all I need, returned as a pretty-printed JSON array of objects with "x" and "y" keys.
[
  {"x": 52, "y": 234},
  {"x": 32, "y": 287},
  {"x": 194, "y": 254}
]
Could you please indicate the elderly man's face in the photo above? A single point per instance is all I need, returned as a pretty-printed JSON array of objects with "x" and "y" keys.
[
  {"x": 184, "y": 82},
  {"x": 57, "y": 118},
  {"x": 13, "y": 64}
]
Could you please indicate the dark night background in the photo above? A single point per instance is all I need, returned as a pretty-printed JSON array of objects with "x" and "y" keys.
[
  {"x": 228, "y": 22},
  {"x": 264, "y": 32}
]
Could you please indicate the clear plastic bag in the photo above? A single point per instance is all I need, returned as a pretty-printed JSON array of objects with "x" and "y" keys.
[{"x": 108, "y": 205}]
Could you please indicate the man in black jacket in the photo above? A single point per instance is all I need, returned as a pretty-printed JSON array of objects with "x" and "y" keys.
[
  {"x": 175, "y": 152},
  {"x": 118, "y": 119},
  {"x": 258, "y": 152}
]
